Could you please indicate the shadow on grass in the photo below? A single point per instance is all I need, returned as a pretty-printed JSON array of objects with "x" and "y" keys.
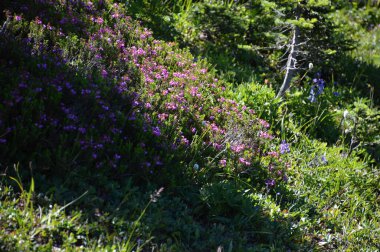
[{"x": 361, "y": 75}]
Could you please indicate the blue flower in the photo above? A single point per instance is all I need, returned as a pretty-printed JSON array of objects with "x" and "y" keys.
[
  {"x": 317, "y": 88},
  {"x": 324, "y": 159},
  {"x": 284, "y": 147},
  {"x": 321, "y": 86},
  {"x": 312, "y": 96}
]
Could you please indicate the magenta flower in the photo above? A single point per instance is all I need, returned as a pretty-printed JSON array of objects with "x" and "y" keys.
[
  {"x": 244, "y": 162},
  {"x": 99, "y": 20},
  {"x": 237, "y": 148}
]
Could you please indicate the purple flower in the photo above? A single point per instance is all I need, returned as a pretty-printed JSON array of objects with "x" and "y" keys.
[
  {"x": 284, "y": 147},
  {"x": 82, "y": 130},
  {"x": 156, "y": 131},
  {"x": 321, "y": 86},
  {"x": 104, "y": 73},
  {"x": 148, "y": 105},
  {"x": 99, "y": 20},
  {"x": 270, "y": 182},
  {"x": 324, "y": 159},
  {"x": 223, "y": 162}
]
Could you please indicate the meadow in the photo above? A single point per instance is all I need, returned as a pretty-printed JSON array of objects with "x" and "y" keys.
[{"x": 158, "y": 125}]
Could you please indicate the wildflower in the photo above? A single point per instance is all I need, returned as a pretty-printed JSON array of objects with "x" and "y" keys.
[
  {"x": 265, "y": 135},
  {"x": 117, "y": 156},
  {"x": 223, "y": 162},
  {"x": 162, "y": 117},
  {"x": 273, "y": 154},
  {"x": 324, "y": 159},
  {"x": 321, "y": 86},
  {"x": 264, "y": 123},
  {"x": 99, "y": 20},
  {"x": 156, "y": 194},
  {"x": 156, "y": 131},
  {"x": 38, "y": 21},
  {"x": 245, "y": 162},
  {"x": 184, "y": 140},
  {"x": 104, "y": 73},
  {"x": 270, "y": 182},
  {"x": 237, "y": 148},
  {"x": 18, "y": 18},
  {"x": 217, "y": 146},
  {"x": 312, "y": 96},
  {"x": 284, "y": 147},
  {"x": 82, "y": 130}
]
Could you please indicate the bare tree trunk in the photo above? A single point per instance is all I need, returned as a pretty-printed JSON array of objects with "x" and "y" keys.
[{"x": 291, "y": 67}]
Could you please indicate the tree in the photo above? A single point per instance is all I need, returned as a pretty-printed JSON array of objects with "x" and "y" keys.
[{"x": 303, "y": 33}]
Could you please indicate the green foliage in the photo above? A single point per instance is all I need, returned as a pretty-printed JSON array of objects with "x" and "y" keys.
[{"x": 339, "y": 200}]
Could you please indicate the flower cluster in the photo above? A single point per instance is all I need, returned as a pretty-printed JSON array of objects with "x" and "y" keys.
[
  {"x": 136, "y": 99},
  {"x": 317, "y": 88}
]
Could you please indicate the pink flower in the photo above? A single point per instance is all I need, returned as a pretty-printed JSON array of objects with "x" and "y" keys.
[
  {"x": 265, "y": 135},
  {"x": 194, "y": 91},
  {"x": 173, "y": 83},
  {"x": 162, "y": 117},
  {"x": 273, "y": 154},
  {"x": 38, "y": 21},
  {"x": 244, "y": 162},
  {"x": 264, "y": 123},
  {"x": 184, "y": 140},
  {"x": 223, "y": 162},
  {"x": 237, "y": 148},
  {"x": 99, "y": 20},
  {"x": 171, "y": 106}
]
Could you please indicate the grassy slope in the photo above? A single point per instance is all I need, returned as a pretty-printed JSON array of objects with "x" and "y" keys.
[{"x": 330, "y": 204}]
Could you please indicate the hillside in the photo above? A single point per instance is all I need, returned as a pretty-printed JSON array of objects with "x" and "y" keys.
[{"x": 155, "y": 126}]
